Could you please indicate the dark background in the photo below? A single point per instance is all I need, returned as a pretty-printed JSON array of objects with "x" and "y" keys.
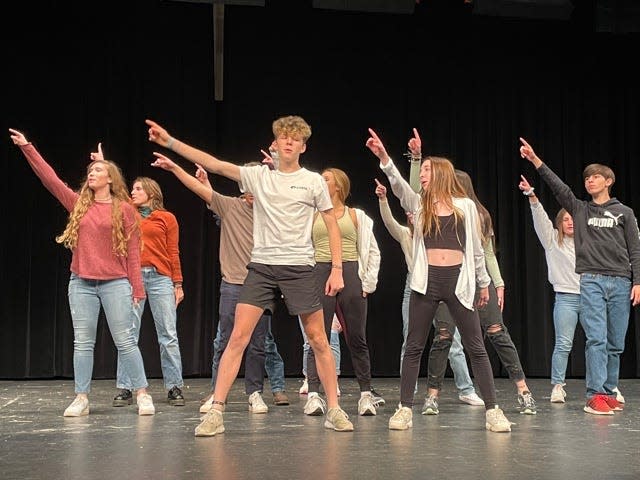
[{"x": 472, "y": 77}]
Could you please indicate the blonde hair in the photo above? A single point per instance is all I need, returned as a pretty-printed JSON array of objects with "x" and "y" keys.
[
  {"x": 342, "y": 182},
  {"x": 153, "y": 191},
  {"x": 443, "y": 186},
  {"x": 119, "y": 195},
  {"x": 559, "y": 222},
  {"x": 292, "y": 126}
]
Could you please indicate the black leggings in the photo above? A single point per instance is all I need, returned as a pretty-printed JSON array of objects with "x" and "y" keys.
[{"x": 441, "y": 287}]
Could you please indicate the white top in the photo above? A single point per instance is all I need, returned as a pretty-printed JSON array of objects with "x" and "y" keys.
[
  {"x": 283, "y": 211},
  {"x": 473, "y": 264},
  {"x": 401, "y": 233},
  {"x": 561, "y": 259},
  {"x": 368, "y": 252}
]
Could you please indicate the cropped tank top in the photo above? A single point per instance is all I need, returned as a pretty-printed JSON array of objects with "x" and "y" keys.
[{"x": 450, "y": 237}]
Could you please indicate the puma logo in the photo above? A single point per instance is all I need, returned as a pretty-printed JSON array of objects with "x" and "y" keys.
[{"x": 607, "y": 213}]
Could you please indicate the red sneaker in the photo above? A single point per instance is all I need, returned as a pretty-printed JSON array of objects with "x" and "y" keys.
[
  {"x": 598, "y": 405},
  {"x": 614, "y": 404}
]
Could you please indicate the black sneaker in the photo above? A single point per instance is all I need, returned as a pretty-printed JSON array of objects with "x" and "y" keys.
[
  {"x": 175, "y": 398},
  {"x": 123, "y": 398},
  {"x": 378, "y": 401}
]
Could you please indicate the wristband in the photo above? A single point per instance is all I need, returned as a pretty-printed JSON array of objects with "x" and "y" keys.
[
  {"x": 337, "y": 267},
  {"x": 528, "y": 193},
  {"x": 170, "y": 143}
]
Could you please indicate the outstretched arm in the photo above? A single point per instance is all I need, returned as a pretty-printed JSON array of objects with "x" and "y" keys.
[
  {"x": 159, "y": 135},
  {"x": 203, "y": 190},
  {"x": 415, "y": 154}
]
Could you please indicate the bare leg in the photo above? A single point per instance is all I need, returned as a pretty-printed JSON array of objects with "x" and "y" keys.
[
  {"x": 313, "y": 324},
  {"x": 247, "y": 317}
]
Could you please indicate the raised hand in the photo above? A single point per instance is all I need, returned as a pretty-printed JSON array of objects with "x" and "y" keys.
[
  {"x": 163, "y": 162},
  {"x": 526, "y": 150},
  {"x": 381, "y": 190},
  {"x": 524, "y": 184},
  {"x": 97, "y": 156},
  {"x": 268, "y": 159},
  {"x": 18, "y": 137},
  {"x": 202, "y": 176},
  {"x": 157, "y": 134},
  {"x": 415, "y": 144},
  {"x": 376, "y": 146}
]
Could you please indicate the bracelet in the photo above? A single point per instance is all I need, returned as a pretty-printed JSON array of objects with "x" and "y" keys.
[
  {"x": 218, "y": 402},
  {"x": 170, "y": 143},
  {"x": 413, "y": 157},
  {"x": 528, "y": 193},
  {"x": 177, "y": 285},
  {"x": 337, "y": 267}
]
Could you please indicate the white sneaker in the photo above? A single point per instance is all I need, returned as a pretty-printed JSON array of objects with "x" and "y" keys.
[
  {"x": 496, "y": 421},
  {"x": 211, "y": 424},
  {"x": 402, "y": 419},
  {"x": 256, "y": 403},
  {"x": 78, "y": 408},
  {"x": 558, "y": 394},
  {"x": 206, "y": 406},
  {"x": 315, "y": 405},
  {"x": 619, "y": 396},
  {"x": 365, "y": 405},
  {"x": 472, "y": 399},
  {"x": 304, "y": 389},
  {"x": 145, "y": 405}
]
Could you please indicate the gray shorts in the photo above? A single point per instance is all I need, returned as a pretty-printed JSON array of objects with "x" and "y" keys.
[{"x": 296, "y": 283}]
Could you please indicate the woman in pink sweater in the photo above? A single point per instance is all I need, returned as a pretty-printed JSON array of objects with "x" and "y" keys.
[{"x": 103, "y": 236}]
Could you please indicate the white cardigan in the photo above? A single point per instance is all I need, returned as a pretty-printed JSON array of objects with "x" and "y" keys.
[
  {"x": 473, "y": 264},
  {"x": 368, "y": 253}
]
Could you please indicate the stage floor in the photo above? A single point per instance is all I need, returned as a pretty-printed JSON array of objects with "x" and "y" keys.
[{"x": 560, "y": 442}]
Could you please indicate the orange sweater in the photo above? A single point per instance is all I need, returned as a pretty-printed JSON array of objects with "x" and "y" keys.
[{"x": 160, "y": 233}]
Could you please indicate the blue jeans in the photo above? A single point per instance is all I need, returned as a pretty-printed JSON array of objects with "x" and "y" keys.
[
  {"x": 566, "y": 311},
  {"x": 334, "y": 343},
  {"x": 604, "y": 315},
  {"x": 457, "y": 359},
  {"x": 273, "y": 363},
  {"x": 115, "y": 297},
  {"x": 162, "y": 301}
]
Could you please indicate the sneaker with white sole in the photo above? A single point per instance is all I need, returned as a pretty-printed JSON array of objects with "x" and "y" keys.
[
  {"x": 366, "y": 408},
  {"x": 430, "y": 406},
  {"x": 472, "y": 399},
  {"x": 256, "y": 403},
  {"x": 558, "y": 395},
  {"x": 212, "y": 424},
  {"x": 496, "y": 421},
  {"x": 527, "y": 403},
  {"x": 315, "y": 405},
  {"x": 338, "y": 420},
  {"x": 402, "y": 419},
  {"x": 304, "y": 389},
  {"x": 78, "y": 408},
  {"x": 619, "y": 396},
  {"x": 145, "y": 405}
]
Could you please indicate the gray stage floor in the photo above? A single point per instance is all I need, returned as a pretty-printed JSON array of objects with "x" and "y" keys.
[{"x": 560, "y": 442}]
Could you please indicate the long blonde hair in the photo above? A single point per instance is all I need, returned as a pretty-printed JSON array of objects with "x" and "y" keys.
[
  {"x": 342, "y": 181},
  {"x": 443, "y": 187},
  {"x": 119, "y": 195}
]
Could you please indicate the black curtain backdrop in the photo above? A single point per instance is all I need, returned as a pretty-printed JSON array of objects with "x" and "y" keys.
[{"x": 75, "y": 75}]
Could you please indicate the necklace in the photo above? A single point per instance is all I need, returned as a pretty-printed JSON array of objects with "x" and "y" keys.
[{"x": 103, "y": 200}]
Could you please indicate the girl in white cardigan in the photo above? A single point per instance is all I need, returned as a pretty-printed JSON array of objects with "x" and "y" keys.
[{"x": 448, "y": 261}]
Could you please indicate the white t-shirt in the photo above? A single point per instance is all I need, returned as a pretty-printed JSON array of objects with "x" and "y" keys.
[{"x": 283, "y": 210}]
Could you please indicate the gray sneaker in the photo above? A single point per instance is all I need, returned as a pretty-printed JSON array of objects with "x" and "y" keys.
[
  {"x": 338, "y": 420},
  {"x": 378, "y": 401},
  {"x": 558, "y": 395},
  {"x": 402, "y": 419},
  {"x": 527, "y": 404},
  {"x": 211, "y": 424},
  {"x": 315, "y": 406},
  {"x": 430, "y": 406},
  {"x": 496, "y": 421},
  {"x": 78, "y": 408},
  {"x": 365, "y": 405}
]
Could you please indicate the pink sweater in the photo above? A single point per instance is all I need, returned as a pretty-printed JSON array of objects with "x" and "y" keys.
[{"x": 93, "y": 258}]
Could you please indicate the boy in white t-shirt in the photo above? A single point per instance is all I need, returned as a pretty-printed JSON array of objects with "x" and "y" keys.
[{"x": 285, "y": 201}]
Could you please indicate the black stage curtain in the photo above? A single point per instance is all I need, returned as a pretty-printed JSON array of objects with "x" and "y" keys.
[{"x": 75, "y": 75}]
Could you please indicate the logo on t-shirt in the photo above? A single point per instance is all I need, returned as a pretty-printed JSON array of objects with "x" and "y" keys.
[
  {"x": 297, "y": 187},
  {"x": 609, "y": 222}
]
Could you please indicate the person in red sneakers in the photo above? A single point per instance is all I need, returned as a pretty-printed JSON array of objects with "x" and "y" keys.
[{"x": 607, "y": 243}]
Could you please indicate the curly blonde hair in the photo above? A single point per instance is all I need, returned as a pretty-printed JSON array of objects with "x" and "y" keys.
[
  {"x": 119, "y": 195},
  {"x": 443, "y": 186},
  {"x": 292, "y": 126}
]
